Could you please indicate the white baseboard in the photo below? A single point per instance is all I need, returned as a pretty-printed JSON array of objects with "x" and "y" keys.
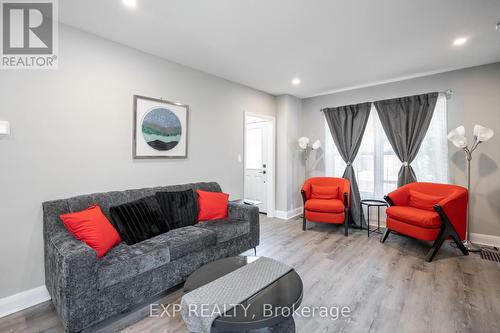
[
  {"x": 287, "y": 215},
  {"x": 483, "y": 239},
  {"x": 23, "y": 300}
]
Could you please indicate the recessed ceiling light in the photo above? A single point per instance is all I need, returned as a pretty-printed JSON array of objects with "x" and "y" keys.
[
  {"x": 130, "y": 3},
  {"x": 296, "y": 81},
  {"x": 460, "y": 41}
]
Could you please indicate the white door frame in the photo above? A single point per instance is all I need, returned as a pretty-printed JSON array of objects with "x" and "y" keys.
[{"x": 270, "y": 167}]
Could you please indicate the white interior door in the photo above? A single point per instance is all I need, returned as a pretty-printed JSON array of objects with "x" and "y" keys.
[{"x": 256, "y": 154}]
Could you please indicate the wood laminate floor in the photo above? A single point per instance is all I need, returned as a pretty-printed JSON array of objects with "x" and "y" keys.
[{"x": 387, "y": 287}]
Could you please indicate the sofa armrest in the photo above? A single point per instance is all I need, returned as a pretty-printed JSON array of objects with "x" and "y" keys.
[
  {"x": 241, "y": 211},
  {"x": 71, "y": 250},
  {"x": 70, "y": 274},
  {"x": 70, "y": 269}
]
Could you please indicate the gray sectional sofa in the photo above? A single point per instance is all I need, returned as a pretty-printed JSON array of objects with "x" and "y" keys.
[{"x": 86, "y": 290}]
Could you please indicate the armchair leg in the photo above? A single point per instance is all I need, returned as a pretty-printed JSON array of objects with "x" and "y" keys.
[
  {"x": 346, "y": 222},
  {"x": 447, "y": 229},
  {"x": 460, "y": 245},
  {"x": 385, "y": 235},
  {"x": 437, "y": 245},
  {"x": 304, "y": 199}
]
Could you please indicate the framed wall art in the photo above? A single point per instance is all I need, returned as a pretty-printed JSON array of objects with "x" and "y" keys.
[{"x": 160, "y": 128}]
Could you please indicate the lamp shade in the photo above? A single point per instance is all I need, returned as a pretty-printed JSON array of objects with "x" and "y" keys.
[
  {"x": 457, "y": 137},
  {"x": 303, "y": 142},
  {"x": 483, "y": 133},
  {"x": 316, "y": 144}
]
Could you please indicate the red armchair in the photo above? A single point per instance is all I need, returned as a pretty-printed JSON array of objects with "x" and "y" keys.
[
  {"x": 429, "y": 212},
  {"x": 326, "y": 199}
]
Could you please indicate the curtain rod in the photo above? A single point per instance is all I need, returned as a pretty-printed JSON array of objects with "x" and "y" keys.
[{"x": 448, "y": 93}]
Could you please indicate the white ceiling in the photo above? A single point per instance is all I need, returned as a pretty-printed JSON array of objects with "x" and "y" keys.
[{"x": 330, "y": 44}]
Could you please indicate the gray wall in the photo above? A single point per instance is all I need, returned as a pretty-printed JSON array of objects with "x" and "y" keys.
[
  {"x": 72, "y": 134},
  {"x": 475, "y": 100},
  {"x": 290, "y": 169}
]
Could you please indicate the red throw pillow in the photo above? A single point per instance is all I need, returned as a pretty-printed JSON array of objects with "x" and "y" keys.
[
  {"x": 93, "y": 228},
  {"x": 423, "y": 201},
  {"x": 212, "y": 205},
  {"x": 324, "y": 192}
]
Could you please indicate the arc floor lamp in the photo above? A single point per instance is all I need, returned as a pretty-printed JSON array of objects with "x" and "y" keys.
[{"x": 458, "y": 138}]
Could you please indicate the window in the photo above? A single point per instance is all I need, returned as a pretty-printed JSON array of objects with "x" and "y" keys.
[{"x": 376, "y": 166}]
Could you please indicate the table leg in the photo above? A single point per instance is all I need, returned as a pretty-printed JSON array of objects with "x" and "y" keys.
[
  {"x": 361, "y": 218},
  {"x": 378, "y": 218},
  {"x": 368, "y": 220}
]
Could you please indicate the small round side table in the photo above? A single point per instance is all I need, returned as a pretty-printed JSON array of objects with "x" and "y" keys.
[{"x": 372, "y": 203}]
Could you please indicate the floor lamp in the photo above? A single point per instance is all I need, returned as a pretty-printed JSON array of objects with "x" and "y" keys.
[
  {"x": 306, "y": 149},
  {"x": 458, "y": 138}
]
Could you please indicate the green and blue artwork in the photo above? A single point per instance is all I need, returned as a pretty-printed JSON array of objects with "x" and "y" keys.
[{"x": 161, "y": 129}]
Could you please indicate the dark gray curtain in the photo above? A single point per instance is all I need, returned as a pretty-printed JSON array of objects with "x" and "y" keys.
[
  {"x": 347, "y": 125},
  {"x": 405, "y": 121}
]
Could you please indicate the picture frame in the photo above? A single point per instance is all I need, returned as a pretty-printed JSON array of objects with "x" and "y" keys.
[{"x": 160, "y": 128}]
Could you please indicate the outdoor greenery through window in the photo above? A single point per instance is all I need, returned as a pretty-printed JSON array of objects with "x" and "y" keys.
[{"x": 376, "y": 164}]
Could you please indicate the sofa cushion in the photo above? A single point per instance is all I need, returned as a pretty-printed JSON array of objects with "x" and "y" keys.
[
  {"x": 186, "y": 240},
  {"x": 325, "y": 206},
  {"x": 179, "y": 207},
  {"x": 212, "y": 205},
  {"x": 93, "y": 228},
  {"x": 414, "y": 216},
  {"x": 226, "y": 229},
  {"x": 139, "y": 220},
  {"x": 126, "y": 261}
]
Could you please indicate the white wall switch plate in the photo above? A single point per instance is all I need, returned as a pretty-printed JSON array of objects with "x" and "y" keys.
[{"x": 4, "y": 128}]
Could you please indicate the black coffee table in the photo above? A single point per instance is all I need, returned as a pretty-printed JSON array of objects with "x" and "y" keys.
[{"x": 286, "y": 292}]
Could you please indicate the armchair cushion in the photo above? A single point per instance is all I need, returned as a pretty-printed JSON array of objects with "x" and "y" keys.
[
  {"x": 423, "y": 201},
  {"x": 414, "y": 216},
  {"x": 324, "y": 192},
  {"x": 325, "y": 206}
]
